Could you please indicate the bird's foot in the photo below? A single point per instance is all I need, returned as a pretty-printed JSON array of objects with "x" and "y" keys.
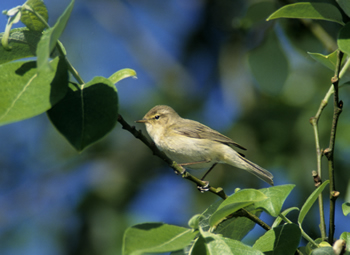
[{"x": 204, "y": 188}]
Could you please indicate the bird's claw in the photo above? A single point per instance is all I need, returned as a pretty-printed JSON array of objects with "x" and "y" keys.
[{"x": 204, "y": 188}]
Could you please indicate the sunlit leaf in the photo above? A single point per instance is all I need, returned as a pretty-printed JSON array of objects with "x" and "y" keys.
[
  {"x": 310, "y": 201},
  {"x": 24, "y": 93},
  {"x": 329, "y": 60},
  {"x": 50, "y": 37},
  {"x": 307, "y": 10},
  {"x": 122, "y": 74},
  {"x": 216, "y": 244},
  {"x": 30, "y": 19},
  {"x": 346, "y": 208},
  {"x": 23, "y": 44},
  {"x": 276, "y": 196},
  {"x": 235, "y": 202},
  {"x": 156, "y": 238}
]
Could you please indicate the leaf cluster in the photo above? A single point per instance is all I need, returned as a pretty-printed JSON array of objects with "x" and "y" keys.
[{"x": 83, "y": 112}]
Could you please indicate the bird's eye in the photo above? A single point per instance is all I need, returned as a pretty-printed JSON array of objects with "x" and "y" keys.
[{"x": 156, "y": 117}]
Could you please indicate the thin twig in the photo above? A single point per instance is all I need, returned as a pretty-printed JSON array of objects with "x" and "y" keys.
[
  {"x": 180, "y": 170},
  {"x": 329, "y": 152},
  {"x": 314, "y": 123}
]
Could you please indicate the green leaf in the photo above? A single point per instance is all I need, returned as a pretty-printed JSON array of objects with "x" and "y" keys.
[
  {"x": 156, "y": 237},
  {"x": 216, "y": 244},
  {"x": 276, "y": 196},
  {"x": 307, "y": 10},
  {"x": 344, "y": 39},
  {"x": 278, "y": 220},
  {"x": 235, "y": 202},
  {"x": 346, "y": 208},
  {"x": 194, "y": 221},
  {"x": 346, "y": 237},
  {"x": 235, "y": 227},
  {"x": 49, "y": 39},
  {"x": 199, "y": 247},
  {"x": 270, "y": 75},
  {"x": 86, "y": 114},
  {"x": 30, "y": 19},
  {"x": 310, "y": 201},
  {"x": 24, "y": 93},
  {"x": 280, "y": 240},
  {"x": 122, "y": 74},
  {"x": 326, "y": 60},
  {"x": 23, "y": 44},
  {"x": 323, "y": 251},
  {"x": 345, "y": 5}
]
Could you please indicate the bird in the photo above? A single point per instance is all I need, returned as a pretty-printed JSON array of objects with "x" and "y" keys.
[{"x": 194, "y": 145}]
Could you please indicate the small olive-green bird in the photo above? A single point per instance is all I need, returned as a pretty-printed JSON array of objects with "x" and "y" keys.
[{"x": 194, "y": 145}]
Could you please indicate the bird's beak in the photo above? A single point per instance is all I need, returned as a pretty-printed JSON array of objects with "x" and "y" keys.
[{"x": 141, "y": 121}]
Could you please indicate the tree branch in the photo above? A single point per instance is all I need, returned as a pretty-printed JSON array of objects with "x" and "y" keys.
[
  {"x": 329, "y": 152},
  {"x": 184, "y": 174}
]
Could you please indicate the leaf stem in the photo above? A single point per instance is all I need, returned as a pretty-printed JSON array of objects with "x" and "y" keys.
[
  {"x": 306, "y": 236},
  {"x": 59, "y": 47}
]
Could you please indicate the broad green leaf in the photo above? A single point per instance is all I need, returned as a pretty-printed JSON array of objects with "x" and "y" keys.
[
  {"x": 344, "y": 39},
  {"x": 156, "y": 237},
  {"x": 23, "y": 44},
  {"x": 24, "y": 93},
  {"x": 280, "y": 240},
  {"x": 310, "y": 201},
  {"x": 270, "y": 75},
  {"x": 346, "y": 237},
  {"x": 235, "y": 202},
  {"x": 122, "y": 74},
  {"x": 307, "y": 10},
  {"x": 327, "y": 60},
  {"x": 276, "y": 196},
  {"x": 323, "y": 251},
  {"x": 86, "y": 114},
  {"x": 346, "y": 208},
  {"x": 279, "y": 219},
  {"x": 345, "y": 5},
  {"x": 216, "y": 244},
  {"x": 30, "y": 19},
  {"x": 237, "y": 228},
  {"x": 50, "y": 37}
]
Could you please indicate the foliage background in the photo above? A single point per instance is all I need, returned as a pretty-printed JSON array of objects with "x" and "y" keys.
[{"x": 196, "y": 56}]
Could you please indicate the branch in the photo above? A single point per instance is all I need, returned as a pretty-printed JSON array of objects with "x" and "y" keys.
[
  {"x": 329, "y": 152},
  {"x": 184, "y": 174}
]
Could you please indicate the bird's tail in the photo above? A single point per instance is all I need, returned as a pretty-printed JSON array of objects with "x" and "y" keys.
[{"x": 251, "y": 167}]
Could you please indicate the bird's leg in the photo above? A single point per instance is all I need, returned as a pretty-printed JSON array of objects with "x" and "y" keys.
[{"x": 206, "y": 186}]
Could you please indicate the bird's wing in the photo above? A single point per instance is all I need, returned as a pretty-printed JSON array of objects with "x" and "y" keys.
[{"x": 201, "y": 131}]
